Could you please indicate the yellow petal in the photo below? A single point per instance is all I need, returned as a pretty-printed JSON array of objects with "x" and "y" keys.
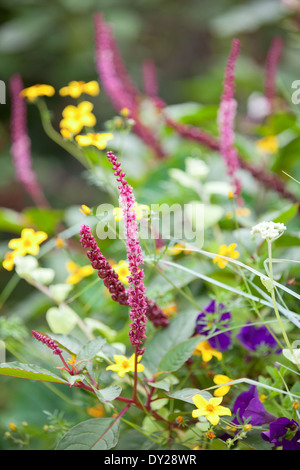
[{"x": 199, "y": 401}]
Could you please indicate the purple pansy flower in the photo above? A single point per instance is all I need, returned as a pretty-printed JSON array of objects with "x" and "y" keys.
[
  {"x": 283, "y": 432},
  {"x": 212, "y": 315},
  {"x": 248, "y": 405},
  {"x": 254, "y": 337}
]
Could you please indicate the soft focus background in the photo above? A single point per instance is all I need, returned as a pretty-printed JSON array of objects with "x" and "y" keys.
[{"x": 53, "y": 42}]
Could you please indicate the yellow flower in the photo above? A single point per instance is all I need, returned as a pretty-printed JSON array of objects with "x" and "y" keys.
[
  {"x": 220, "y": 379},
  {"x": 71, "y": 360},
  {"x": 247, "y": 427},
  {"x": 122, "y": 269},
  {"x": 96, "y": 411},
  {"x": 96, "y": 139},
  {"x": 9, "y": 262},
  {"x": 170, "y": 309},
  {"x": 211, "y": 409},
  {"x": 66, "y": 134},
  {"x": 207, "y": 352},
  {"x": 228, "y": 251},
  {"x": 269, "y": 144},
  {"x": 125, "y": 112},
  {"x": 13, "y": 427},
  {"x": 33, "y": 92},
  {"x": 242, "y": 211},
  {"x": 140, "y": 211},
  {"x": 210, "y": 435},
  {"x": 196, "y": 448},
  {"x": 123, "y": 365},
  {"x": 29, "y": 243},
  {"x": 76, "y": 117},
  {"x": 85, "y": 209},
  {"x": 77, "y": 273},
  {"x": 75, "y": 89},
  {"x": 262, "y": 397}
]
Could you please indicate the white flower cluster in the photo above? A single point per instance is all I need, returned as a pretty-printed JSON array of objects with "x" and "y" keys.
[{"x": 269, "y": 230}]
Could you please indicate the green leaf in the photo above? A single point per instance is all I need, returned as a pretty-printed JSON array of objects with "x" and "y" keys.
[
  {"x": 178, "y": 355},
  {"x": 287, "y": 214},
  {"x": 186, "y": 394},
  {"x": 93, "y": 434},
  {"x": 43, "y": 219},
  {"x": 91, "y": 349},
  {"x": 109, "y": 393},
  {"x": 61, "y": 319},
  {"x": 179, "y": 329},
  {"x": 67, "y": 342},
  {"x": 30, "y": 372}
]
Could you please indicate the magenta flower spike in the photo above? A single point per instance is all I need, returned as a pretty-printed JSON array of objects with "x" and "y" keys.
[
  {"x": 21, "y": 148},
  {"x": 272, "y": 62},
  {"x": 136, "y": 292},
  {"x": 47, "y": 341},
  {"x": 226, "y": 117}
]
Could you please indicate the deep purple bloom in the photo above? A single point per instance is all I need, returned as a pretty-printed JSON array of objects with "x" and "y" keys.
[
  {"x": 207, "y": 321},
  {"x": 283, "y": 432},
  {"x": 254, "y": 337},
  {"x": 248, "y": 405}
]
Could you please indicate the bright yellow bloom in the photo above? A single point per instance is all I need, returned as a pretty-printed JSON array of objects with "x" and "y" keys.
[
  {"x": 85, "y": 209},
  {"x": 66, "y": 134},
  {"x": 262, "y": 397},
  {"x": 220, "y": 379},
  {"x": 247, "y": 427},
  {"x": 196, "y": 448},
  {"x": 269, "y": 144},
  {"x": 77, "y": 273},
  {"x": 140, "y": 211},
  {"x": 13, "y": 427},
  {"x": 122, "y": 270},
  {"x": 33, "y": 92},
  {"x": 96, "y": 411},
  {"x": 9, "y": 262},
  {"x": 125, "y": 112},
  {"x": 75, "y": 89},
  {"x": 228, "y": 251},
  {"x": 96, "y": 139},
  {"x": 123, "y": 365},
  {"x": 295, "y": 405},
  {"x": 76, "y": 117},
  {"x": 210, "y": 435},
  {"x": 207, "y": 352},
  {"x": 29, "y": 243},
  {"x": 211, "y": 409}
]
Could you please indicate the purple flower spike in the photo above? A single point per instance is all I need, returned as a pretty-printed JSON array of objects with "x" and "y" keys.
[
  {"x": 254, "y": 337},
  {"x": 47, "y": 341},
  {"x": 136, "y": 292},
  {"x": 210, "y": 317},
  {"x": 283, "y": 432}
]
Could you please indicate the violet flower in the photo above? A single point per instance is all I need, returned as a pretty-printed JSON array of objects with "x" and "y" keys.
[
  {"x": 136, "y": 291},
  {"x": 212, "y": 315},
  {"x": 254, "y": 338},
  {"x": 21, "y": 148},
  {"x": 226, "y": 117},
  {"x": 283, "y": 433},
  {"x": 248, "y": 407}
]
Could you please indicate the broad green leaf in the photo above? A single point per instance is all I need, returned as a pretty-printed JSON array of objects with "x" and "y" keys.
[
  {"x": 93, "y": 434},
  {"x": 71, "y": 344},
  {"x": 43, "y": 219},
  {"x": 180, "y": 328},
  {"x": 91, "y": 349},
  {"x": 178, "y": 355},
  {"x": 287, "y": 214},
  {"x": 61, "y": 319},
  {"x": 30, "y": 372},
  {"x": 186, "y": 394},
  {"x": 59, "y": 292},
  {"x": 108, "y": 394}
]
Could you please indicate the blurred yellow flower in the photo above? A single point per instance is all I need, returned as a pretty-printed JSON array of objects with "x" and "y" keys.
[
  {"x": 170, "y": 309},
  {"x": 220, "y": 379},
  {"x": 242, "y": 211},
  {"x": 205, "y": 350},
  {"x": 122, "y": 269},
  {"x": 96, "y": 411},
  {"x": 77, "y": 273},
  {"x": 228, "y": 251},
  {"x": 75, "y": 89},
  {"x": 76, "y": 117},
  {"x": 12, "y": 426},
  {"x": 269, "y": 144},
  {"x": 123, "y": 365},
  {"x": 211, "y": 409},
  {"x": 140, "y": 211},
  {"x": 96, "y": 139},
  {"x": 33, "y": 92},
  {"x": 29, "y": 243},
  {"x": 9, "y": 262},
  {"x": 85, "y": 209}
]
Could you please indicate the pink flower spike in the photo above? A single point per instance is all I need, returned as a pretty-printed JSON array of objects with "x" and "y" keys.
[
  {"x": 136, "y": 292},
  {"x": 272, "y": 62},
  {"x": 21, "y": 149}
]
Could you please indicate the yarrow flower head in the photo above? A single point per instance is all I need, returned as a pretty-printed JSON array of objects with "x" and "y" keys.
[
  {"x": 123, "y": 365},
  {"x": 211, "y": 409},
  {"x": 269, "y": 230}
]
